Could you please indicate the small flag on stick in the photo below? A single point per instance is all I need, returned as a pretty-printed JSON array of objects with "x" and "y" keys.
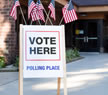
[
  {"x": 31, "y": 6},
  {"x": 13, "y": 12},
  {"x": 69, "y": 13},
  {"x": 37, "y": 12},
  {"x": 52, "y": 9},
  {"x": 40, "y": 11},
  {"x": 34, "y": 14}
]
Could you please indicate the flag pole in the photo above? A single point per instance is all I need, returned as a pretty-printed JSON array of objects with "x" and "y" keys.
[
  {"x": 38, "y": 21},
  {"x": 47, "y": 17},
  {"x": 31, "y": 22},
  {"x": 61, "y": 21},
  {"x": 47, "y": 14},
  {"x": 23, "y": 15}
]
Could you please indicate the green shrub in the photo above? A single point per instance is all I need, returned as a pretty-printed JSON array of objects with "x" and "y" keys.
[
  {"x": 76, "y": 52},
  {"x": 71, "y": 54},
  {"x": 17, "y": 62},
  {"x": 2, "y": 62}
]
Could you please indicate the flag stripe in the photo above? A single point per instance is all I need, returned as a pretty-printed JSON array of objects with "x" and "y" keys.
[
  {"x": 13, "y": 12},
  {"x": 34, "y": 15},
  {"x": 40, "y": 12},
  {"x": 69, "y": 13},
  {"x": 37, "y": 12},
  {"x": 31, "y": 7},
  {"x": 52, "y": 9}
]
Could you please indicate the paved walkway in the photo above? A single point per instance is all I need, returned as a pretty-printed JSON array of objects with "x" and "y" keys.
[{"x": 88, "y": 76}]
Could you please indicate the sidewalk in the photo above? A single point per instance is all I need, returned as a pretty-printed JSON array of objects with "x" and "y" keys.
[
  {"x": 9, "y": 68},
  {"x": 88, "y": 76}
]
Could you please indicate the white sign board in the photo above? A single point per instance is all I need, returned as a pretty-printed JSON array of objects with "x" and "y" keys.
[{"x": 42, "y": 51}]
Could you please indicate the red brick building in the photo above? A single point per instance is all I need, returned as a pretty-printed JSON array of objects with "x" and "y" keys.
[
  {"x": 92, "y": 14},
  {"x": 7, "y": 31}
]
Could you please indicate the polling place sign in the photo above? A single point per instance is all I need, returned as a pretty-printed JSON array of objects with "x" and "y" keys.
[{"x": 42, "y": 48}]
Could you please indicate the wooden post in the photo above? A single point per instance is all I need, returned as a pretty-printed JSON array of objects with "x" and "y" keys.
[
  {"x": 20, "y": 62},
  {"x": 58, "y": 89},
  {"x": 64, "y": 67},
  {"x": 64, "y": 62}
]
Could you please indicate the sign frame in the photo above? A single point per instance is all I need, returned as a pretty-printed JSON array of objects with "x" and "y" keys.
[{"x": 21, "y": 63}]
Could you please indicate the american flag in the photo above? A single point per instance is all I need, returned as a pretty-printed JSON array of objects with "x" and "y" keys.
[
  {"x": 13, "y": 12},
  {"x": 40, "y": 10},
  {"x": 34, "y": 14},
  {"x": 31, "y": 6},
  {"x": 69, "y": 13},
  {"x": 52, "y": 9},
  {"x": 37, "y": 12}
]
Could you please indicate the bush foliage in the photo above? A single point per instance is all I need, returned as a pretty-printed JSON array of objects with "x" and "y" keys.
[
  {"x": 17, "y": 62},
  {"x": 71, "y": 54},
  {"x": 2, "y": 62}
]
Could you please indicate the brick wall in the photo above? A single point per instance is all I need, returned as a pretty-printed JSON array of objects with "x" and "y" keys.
[{"x": 7, "y": 32}]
